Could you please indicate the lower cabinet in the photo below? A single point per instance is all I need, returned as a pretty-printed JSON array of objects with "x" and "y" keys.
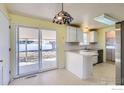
[
  {"x": 79, "y": 64},
  {"x": 94, "y": 59}
]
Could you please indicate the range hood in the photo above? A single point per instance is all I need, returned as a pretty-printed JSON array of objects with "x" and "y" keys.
[{"x": 106, "y": 19}]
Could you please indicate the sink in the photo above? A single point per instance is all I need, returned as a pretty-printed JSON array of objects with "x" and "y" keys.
[
  {"x": 88, "y": 52},
  {"x": 84, "y": 50}
]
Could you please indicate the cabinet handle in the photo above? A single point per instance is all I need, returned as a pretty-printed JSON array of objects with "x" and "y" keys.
[{"x": 1, "y": 61}]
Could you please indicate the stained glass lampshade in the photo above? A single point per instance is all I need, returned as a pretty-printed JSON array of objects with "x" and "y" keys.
[{"x": 62, "y": 17}]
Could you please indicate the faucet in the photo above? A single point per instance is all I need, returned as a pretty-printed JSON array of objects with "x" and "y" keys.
[{"x": 85, "y": 47}]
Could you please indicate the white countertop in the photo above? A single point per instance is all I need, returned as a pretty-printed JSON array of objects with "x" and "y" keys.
[{"x": 85, "y": 52}]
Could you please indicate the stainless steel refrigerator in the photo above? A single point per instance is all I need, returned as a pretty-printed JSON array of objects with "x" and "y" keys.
[
  {"x": 110, "y": 46},
  {"x": 119, "y": 53}
]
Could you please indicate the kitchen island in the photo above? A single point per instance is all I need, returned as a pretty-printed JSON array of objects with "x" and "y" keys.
[{"x": 80, "y": 62}]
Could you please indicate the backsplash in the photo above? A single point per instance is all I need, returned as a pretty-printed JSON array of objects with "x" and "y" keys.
[
  {"x": 72, "y": 46},
  {"x": 77, "y": 46}
]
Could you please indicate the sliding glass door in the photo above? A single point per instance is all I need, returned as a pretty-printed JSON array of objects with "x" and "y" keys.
[
  {"x": 28, "y": 50},
  {"x": 35, "y": 50},
  {"x": 48, "y": 50}
]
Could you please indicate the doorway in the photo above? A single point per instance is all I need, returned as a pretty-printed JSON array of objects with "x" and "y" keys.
[
  {"x": 35, "y": 50},
  {"x": 110, "y": 46}
]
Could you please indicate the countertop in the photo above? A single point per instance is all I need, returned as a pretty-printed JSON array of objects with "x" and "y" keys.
[
  {"x": 85, "y": 52},
  {"x": 96, "y": 49}
]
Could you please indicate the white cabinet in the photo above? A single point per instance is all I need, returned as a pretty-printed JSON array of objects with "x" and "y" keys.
[
  {"x": 74, "y": 34},
  {"x": 89, "y": 37},
  {"x": 74, "y": 63},
  {"x": 94, "y": 59},
  {"x": 71, "y": 34},
  {"x": 79, "y": 35},
  {"x": 93, "y": 36},
  {"x": 80, "y": 65}
]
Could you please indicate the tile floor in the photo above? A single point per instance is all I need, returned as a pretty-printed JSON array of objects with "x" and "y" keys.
[{"x": 103, "y": 74}]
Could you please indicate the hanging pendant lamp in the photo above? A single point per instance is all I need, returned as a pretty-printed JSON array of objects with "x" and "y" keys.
[{"x": 62, "y": 17}]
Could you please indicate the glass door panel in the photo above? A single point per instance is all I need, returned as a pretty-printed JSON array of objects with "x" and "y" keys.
[
  {"x": 48, "y": 50},
  {"x": 35, "y": 50},
  {"x": 28, "y": 50}
]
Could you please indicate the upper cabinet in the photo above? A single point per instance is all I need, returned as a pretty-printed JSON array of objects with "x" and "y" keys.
[
  {"x": 79, "y": 35},
  {"x": 93, "y": 37},
  {"x": 74, "y": 34},
  {"x": 71, "y": 34}
]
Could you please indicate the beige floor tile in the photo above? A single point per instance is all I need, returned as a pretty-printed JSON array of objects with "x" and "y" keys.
[{"x": 103, "y": 74}]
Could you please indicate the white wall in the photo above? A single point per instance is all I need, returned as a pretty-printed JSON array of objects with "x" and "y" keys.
[{"x": 4, "y": 47}]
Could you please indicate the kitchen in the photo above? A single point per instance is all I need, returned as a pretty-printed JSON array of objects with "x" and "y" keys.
[
  {"x": 77, "y": 51},
  {"x": 82, "y": 52}
]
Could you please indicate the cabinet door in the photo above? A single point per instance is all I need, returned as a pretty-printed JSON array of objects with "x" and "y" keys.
[
  {"x": 94, "y": 59},
  {"x": 93, "y": 36},
  {"x": 72, "y": 34},
  {"x": 79, "y": 35}
]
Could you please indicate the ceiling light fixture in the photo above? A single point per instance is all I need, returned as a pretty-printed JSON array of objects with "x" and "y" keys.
[
  {"x": 106, "y": 19},
  {"x": 62, "y": 17}
]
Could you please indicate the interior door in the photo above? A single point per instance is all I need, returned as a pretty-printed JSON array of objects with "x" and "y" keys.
[
  {"x": 28, "y": 50},
  {"x": 4, "y": 48}
]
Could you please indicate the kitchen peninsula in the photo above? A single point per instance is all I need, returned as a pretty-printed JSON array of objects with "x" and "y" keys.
[{"x": 80, "y": 62}]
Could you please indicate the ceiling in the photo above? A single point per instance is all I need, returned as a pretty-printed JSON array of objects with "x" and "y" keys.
[{"x": 83, "y": 13}]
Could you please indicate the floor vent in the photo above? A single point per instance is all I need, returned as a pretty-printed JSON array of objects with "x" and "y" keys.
[{"x": 31, "y": 76}]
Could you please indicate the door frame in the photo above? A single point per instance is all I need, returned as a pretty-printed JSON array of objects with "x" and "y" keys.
[
  {"x": 57, "y": 61},
  {"x": 5, "y": 63},
  {"x": 17, "y": 57},
  {"x": 16, "y": 67},
  {"x": 106, "y": 45}
]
